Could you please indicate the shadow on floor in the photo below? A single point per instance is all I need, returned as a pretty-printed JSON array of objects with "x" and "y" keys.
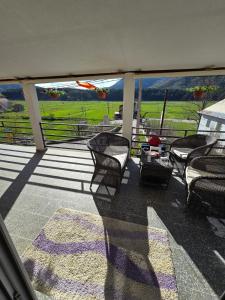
[
  {"x": 202, "y": 238},
  {"x": 198, "y": 237},
  {"x": 120, "y": 251},
  {"x": 11, "y": 194}
]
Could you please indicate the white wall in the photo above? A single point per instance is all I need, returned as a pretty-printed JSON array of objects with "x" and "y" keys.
[{"x": 213, "y": 123}]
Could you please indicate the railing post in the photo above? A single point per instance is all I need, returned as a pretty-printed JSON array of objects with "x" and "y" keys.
[
  {"x": 42, "y": 134},
  {"x": 30, "y": 95},
  {"x": 78, "y": 130},
  {"x": 128, "y": 105}
]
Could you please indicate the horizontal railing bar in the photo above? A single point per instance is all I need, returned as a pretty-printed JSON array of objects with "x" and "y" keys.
[
  {"x": 160, "y": 135},
  {"x": 173, "y": 129},
  {"x": 65, "y": 142},
  {"x": 16, "y": 138},
  {"x": 175, "y": 137},
  {"x": 68, "y": 136},
  {"x": 170, "y": 136},
  {"x": 168, "y": 143},
  {"x": 163, "y": 129},
  {"x": 11, "y": 121},
  {"x": 75, "y": 118},
  {"x": 77, "y": 124},
  {"x": 16, "y": 127},
  {"x": 15, "y": 133},
  {"x": 216, "y": 148},
  {"x": 56, "y": 129},
  {"x": 70, "y": 130},
  {"x": 66, "y": 148},
  {"x": 8, "y": 143}
]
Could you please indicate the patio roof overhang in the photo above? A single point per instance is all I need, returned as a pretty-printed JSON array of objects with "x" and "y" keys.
[{"x": 57, "y": 39}]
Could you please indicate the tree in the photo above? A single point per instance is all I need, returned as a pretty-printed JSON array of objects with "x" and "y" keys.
[{"x": 202, "y": 94}]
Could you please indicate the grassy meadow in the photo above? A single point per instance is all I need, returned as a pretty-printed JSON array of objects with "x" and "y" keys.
[
  {"x": 95, "y": 110},
  {"x": 73, "y": 111}
]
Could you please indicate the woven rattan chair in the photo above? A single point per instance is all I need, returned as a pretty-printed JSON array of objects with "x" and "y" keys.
[
  {"x": 205, "y": 179},
  {"x": 183, "y": 150},
  {"x": 110, "y": 153}
]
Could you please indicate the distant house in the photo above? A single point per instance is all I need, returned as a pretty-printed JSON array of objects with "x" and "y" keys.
[
  {"x": 213, "y": 118},
  {"x": 3, "y": 104}
]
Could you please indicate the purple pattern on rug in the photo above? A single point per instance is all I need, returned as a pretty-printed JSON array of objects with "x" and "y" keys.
[
  {"x": 117, "y": 233},
  {"x": 47, "y": 278},
  {"x": 116, "y": 257}
]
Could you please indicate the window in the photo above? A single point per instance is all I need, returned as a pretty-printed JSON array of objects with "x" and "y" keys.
[
  {"x": 218, "y": 126},
  {"x": 208, "y": 123}
]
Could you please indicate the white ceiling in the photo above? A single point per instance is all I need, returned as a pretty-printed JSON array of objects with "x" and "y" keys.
[{"x": 55, "y": 37}]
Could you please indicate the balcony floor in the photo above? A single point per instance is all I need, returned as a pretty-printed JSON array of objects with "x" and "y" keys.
[{"x": 34, "y": 185}]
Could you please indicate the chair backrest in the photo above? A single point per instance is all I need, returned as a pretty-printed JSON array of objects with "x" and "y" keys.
[
  {"x": 198, "y": 140},
  {"x": 97, "y": 145},
  {"x": 99, "y": 142}
]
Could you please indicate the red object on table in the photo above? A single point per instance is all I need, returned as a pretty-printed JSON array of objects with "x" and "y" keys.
[{"x": 154, "y": 140}]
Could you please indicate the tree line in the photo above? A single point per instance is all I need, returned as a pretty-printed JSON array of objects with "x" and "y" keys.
[{"x": 113, "y": 95}]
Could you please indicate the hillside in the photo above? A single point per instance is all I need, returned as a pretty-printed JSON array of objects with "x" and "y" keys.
[
  {"x": 181, "y": 83},
  {"x": 146, "y": 83},
  {"x": 176, "y": 83},
  {"x": 153, "y": 89},
  {"x": 4, "y": 87}
]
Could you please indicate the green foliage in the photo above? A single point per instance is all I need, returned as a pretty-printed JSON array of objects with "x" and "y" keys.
[
  {"x": 103, "y": 90},
  {"x": 95, "y": 110},
  {"x": 71, "y": 112},
  {"x": 203, "y": 88},
  {"x": 55, "y": 92},
  {"x": 50, "y": 117}
]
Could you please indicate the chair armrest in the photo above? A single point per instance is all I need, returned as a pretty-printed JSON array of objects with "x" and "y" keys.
[
  {"x": 199, "y": 151},
  {"x": 212, "y": 163},
  {"x": 214, "y": 184},
  {"x": 180, "y": 143}
]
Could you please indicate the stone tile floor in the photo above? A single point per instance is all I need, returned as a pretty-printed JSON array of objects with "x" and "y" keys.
[{"x": 34, "y": 185}]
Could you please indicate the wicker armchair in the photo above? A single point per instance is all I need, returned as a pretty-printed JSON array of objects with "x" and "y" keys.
[
  {"x": 184, "y": 149},
  {"x": 110, "y": 153},
  {"x": 205, "y": 179}
]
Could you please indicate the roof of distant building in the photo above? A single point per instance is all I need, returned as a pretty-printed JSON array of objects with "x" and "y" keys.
[{"x": 216, "y": 110}]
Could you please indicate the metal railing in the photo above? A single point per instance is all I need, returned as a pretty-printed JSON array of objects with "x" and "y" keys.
[
  {"x": 169, "y": 136},
  {"x": 16, "y": 132},
  {"x": 72, "y": 136},
  {"x": 75, "y": 135}
]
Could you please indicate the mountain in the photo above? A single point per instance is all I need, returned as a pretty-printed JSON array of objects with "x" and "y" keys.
[
  {"x": 176, "y": 83},
  {"x": 182, "y": 83},
  {"x": 4, "y": 87},
  {"x": 153, "y": 89},
  {"x": 146, "y": 83}
]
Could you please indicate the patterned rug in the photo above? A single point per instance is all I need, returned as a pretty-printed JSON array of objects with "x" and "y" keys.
[{"x": 84, "y": 256}]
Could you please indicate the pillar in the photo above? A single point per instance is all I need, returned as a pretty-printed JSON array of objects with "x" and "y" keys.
[
  {"x": 30, "y": 94},
  {"x": 128, "y": 104}
]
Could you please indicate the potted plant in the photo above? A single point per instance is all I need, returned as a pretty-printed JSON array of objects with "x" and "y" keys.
[
  {"x": 54, "y": 93},
  {"x": 102, "y": 93},
  {"x": 200, "y": 91}
]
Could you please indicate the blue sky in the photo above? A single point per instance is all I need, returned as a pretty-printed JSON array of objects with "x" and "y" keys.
[{"x": 100, "y": 83}]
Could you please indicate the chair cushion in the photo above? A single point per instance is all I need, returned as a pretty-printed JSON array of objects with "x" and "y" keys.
[
  {"x": 121, "y": 158},
  {"x": 192, "y": 173},
  {"x": 182, "y": 152},
  {"x": 114, "y": 150}
]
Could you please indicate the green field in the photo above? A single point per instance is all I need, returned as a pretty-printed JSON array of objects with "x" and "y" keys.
[
  {"x": 93, "y": 111},
  {"x": 97, "y": 109}
]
